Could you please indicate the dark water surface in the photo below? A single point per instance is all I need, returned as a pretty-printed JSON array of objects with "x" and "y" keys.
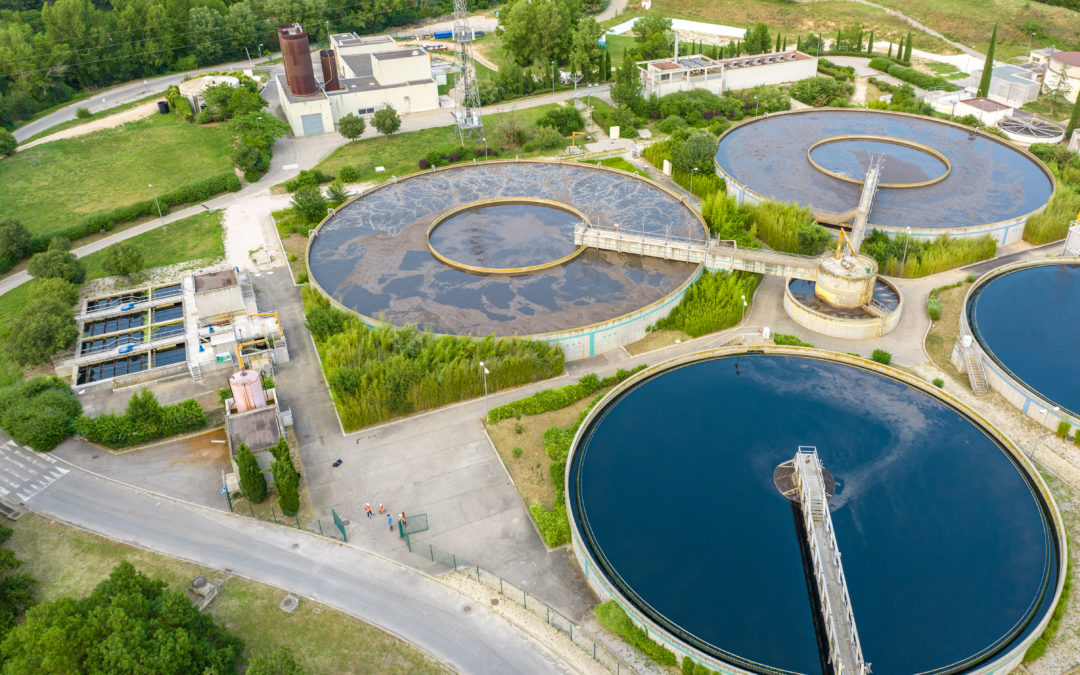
[
  {"x": 902, "y": 163},
  {"x": 990, "y": 181},
  {"x": 945, "y": 546},
  {"x": 1029, "y": 322},
  {"x": 506, "y": 235},
  {"x": 804, "y": 292}
]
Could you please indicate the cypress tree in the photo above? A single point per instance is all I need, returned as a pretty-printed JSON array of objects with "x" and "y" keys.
[
  {"x": 777, "y": 42},
  {"x": 607, "y": 64},
  {"x": 907, "y": 48},
  {"x": 1074, "y": 120},
  {"x": 870, "y": 44},
  {"x": 890, "y": 49},
  {"x": 252, "y": 481},
  {"x": 798, "y": 43},
  {"x": 858, "y": 41},
  {"x": 988, "y": 66},
  {"x": 784, "y": 47},
  {"x": 286, "y": 485},
  {"x": 836, "y": 47}
]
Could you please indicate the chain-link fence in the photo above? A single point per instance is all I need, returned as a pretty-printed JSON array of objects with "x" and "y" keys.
[{"x": 578, "y": 635}]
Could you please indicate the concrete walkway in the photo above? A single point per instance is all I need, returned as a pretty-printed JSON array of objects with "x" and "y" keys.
[{"x": 410, "y": 605}]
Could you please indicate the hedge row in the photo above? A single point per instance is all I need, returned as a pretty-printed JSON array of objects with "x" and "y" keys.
[
  {"x": 559, "y": 397},
  {"x": 198, "y": 191},
  {"x": 910, "y": 75},
  {"x": 144, "y": 420}
]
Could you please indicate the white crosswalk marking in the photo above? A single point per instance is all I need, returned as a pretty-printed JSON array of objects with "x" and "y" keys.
[{"x": 26, "y": 472}]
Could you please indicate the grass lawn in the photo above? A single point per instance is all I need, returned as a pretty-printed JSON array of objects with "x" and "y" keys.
[
  {"x": 323, "y": 639},
  {"x": 399, "y": 154},
  {"x": 971, "y": 22},
  {"x": 93, "y": 116},
  {"x": 944, "y": 331},
  {"x": 50, "y": 186},
  {"x": 1061, "y": 113},
  {"x": 198, "y": 237},
  {"x": 794, "y": 19}
]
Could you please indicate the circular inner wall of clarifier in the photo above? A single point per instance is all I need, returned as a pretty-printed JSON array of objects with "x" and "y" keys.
[
  {"x": 372, "y": 257},
  {"x": 990, "y": 182},
  {"x": 905, "y": 164},
  {"x": 1027, "y": 321},
  {"x": 672, "y": 500},
  {"x": 506, "y": 236}
]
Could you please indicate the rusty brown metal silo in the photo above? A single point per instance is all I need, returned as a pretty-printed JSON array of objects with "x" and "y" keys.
[
  {"x": 296, "y": 54},
  {"x": 331, "y": 80}
]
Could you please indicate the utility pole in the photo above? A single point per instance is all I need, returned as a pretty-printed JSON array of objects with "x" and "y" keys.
[{"x": 157, "y": 204}]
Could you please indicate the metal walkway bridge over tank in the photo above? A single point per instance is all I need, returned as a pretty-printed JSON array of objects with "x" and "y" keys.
[{"x": 845, "y": 652}]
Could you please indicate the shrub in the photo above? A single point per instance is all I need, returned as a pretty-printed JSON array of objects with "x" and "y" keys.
[
  {"x": 83, "y": 113},
  {"x": 41, "y": 328},
  {"x": 553, "y": 525},
  {"x": 696, "y": 152},
  {"x": 1052, "y": 223},
  {"x": 617, "y": 621},
  {"x": 925, "y": 257},
  {"x": 302, "y": 278},
  {"x": 7, "y": 143},
  {"x": 57, "y": 265},
  {"x": 673, "y": 122},
  {"x": 351, "y": 126},
  {"x": 920, "y": 79},
  {"x": 566, "y": 119},
  {"x": 252, "y": 480},
  {"x": 789, "y": 340},
  {"x": 938, "y": 382},
  {"x": 881, "y": 63},
  {"x": 822, "y": 91},
  {"x": 39, "y": 412},
  {"x": 423, "y": 164},
  {"x": 122, "y": 260},
  {"x": 336, "y": 193},
  {"x": 375, "y": 374},
  {"x": 307, "y": 178},
  {"x": 143, "y": 421},
  {"x": 881, "y": 356},
  {"x": 1063, "y": 428},
  {"x": 14, "y": 243},
  {"x": 59, "y": 243},
  {"x": 309, "y": 205},
  {"x": 626, "y": 120},
  {"x": 933, "y": 308},
  {"x": 348, "y": 174},
  {"x": 559, "y": 397},
  {"x": 546, "y": 138},
  {"x": 517, "y": 452},
  {"x": 712, "y": 303}
]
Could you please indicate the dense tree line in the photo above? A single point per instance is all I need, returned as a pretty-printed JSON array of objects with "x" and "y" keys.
[{"x": 50, "y": 51}]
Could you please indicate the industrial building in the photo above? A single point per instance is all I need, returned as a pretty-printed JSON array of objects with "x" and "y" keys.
[
  {"x": 1012, "y": 85},
  {"x": 252, "y": 417},
  {"x": 1064, "y": 67},
  {"x": 203, "y": 322},
  {"x": 359, "y": 76},
  {"x": 988, "y": 112},
  {"x": 666, "y": 76}
]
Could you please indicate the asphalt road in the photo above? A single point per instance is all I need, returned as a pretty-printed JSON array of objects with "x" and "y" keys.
[{"x": 408, "y": 604}]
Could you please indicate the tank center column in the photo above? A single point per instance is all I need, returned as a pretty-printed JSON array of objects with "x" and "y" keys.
[{"x": 847, "y": 281}]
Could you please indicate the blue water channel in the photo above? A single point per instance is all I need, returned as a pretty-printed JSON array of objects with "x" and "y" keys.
[
  {"x": 1028, "y": 321},
  {"x": 506, "y": 235},
  {"x": 672, "y": 487}
]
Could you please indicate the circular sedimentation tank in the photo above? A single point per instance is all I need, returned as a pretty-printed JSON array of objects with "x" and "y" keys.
[
  {"x": 489, "y": 248},
  {"x": 1026, "y": 320},
  {"x": 977, "y": 184},
  {"x": 951, "y": 544}
]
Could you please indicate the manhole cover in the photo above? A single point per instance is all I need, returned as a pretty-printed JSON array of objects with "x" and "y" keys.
[
  {"x": 95, "y": 456},
  {"x": 467, "y": 609},
  {"x": 289, "y": 603},
  {"x": 295, "y": 546},
  {"x": 198, "y": 582},
  {"x": 494, "y": 601}
]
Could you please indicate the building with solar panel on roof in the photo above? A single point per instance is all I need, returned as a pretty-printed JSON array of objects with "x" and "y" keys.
[{"x": 669, "y": 75}]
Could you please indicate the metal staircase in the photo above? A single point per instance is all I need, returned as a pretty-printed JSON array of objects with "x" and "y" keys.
[{"x": 973, "y": 365}]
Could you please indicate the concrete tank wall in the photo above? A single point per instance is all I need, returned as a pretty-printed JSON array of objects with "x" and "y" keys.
[
  {"x": 835, "y": 326},
  {"x": 999, "y": 379},
  {"x": 843, "y": 288}
]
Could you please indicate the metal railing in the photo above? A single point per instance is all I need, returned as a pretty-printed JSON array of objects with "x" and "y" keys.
[
  {"x": 845, "y": 650},
  {"x": 584, "y": 640}
]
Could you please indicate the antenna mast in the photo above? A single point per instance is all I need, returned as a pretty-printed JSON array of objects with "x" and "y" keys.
[{"x": 469, "y": 123}]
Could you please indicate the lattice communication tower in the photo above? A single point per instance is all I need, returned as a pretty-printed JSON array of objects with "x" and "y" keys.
[{"x": 469, "y": 124}]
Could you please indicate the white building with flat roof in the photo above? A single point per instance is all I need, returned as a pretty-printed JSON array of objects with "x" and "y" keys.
[
  {"x": 666, "y": 76},
  {"x": 359, "y": 76},
  {"x": 1012, "y": 85}
]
